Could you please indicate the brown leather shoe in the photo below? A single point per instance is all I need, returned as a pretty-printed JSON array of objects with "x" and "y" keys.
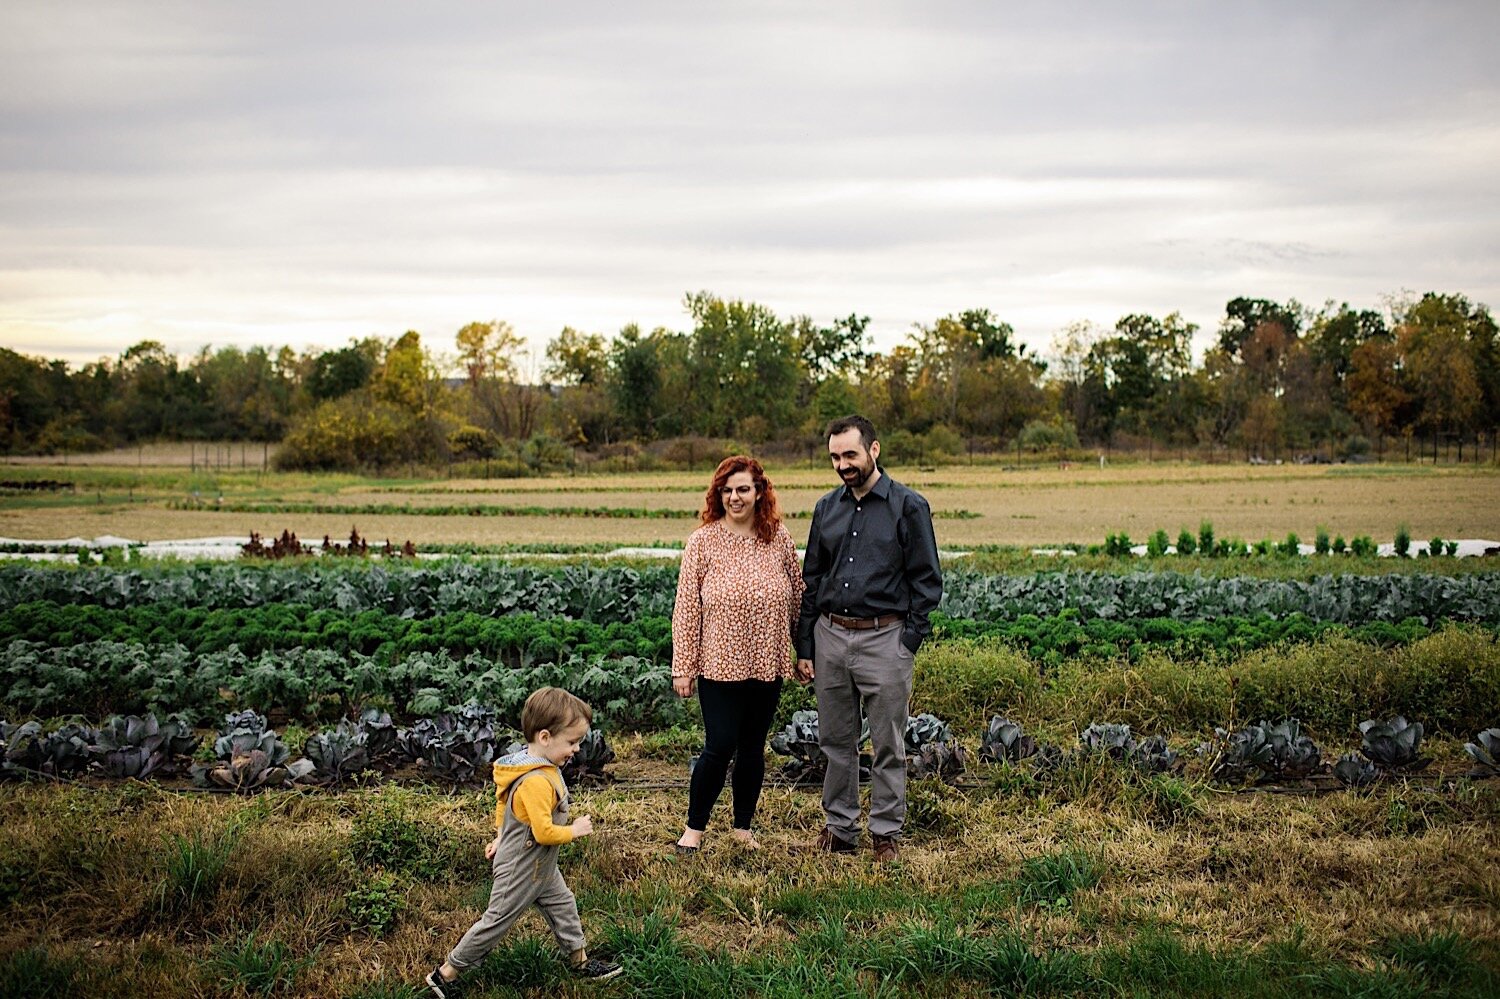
[
  {"x": 886, "y": 848},
  {"x": 829, "y": 843}
]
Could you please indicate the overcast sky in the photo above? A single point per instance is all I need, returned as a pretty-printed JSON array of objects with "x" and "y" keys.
[{"x": 303, "y": 173}]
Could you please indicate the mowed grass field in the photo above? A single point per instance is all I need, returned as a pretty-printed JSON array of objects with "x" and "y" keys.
[{"x": 975, "y": 505}]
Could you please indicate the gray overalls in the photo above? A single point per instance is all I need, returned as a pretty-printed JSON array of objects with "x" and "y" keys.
[{"x": 525, "y": 873}]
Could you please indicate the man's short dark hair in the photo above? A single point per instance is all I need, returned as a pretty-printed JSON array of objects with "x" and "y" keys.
[{"x": 853, "y": 422}]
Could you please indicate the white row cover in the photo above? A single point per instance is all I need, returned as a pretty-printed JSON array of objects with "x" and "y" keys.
[{"x": 229, "y": 548}]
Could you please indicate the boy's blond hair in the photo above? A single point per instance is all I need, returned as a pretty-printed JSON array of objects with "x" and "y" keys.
[{"x": 553, "y": 709}]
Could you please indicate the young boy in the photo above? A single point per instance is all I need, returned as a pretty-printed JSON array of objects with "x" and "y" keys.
[{"x": 531, "y": 817}]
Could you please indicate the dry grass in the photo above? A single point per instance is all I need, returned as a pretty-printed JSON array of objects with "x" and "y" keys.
[
  {"x": 1037, "y": 506},
  {"x": 226, "y": 455},
  {"x": 1349, "y": 869}
]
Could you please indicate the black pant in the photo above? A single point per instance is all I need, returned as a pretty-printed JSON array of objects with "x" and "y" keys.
[{"x": 736, "y": 717}]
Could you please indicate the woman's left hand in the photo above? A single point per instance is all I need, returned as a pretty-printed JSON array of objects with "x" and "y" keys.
[{"x": 683, "y": 685}]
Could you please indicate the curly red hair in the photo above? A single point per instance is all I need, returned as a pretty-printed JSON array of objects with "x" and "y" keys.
[{"x": 767, "y": 510}]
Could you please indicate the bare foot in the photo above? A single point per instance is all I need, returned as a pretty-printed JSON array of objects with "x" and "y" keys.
[
  {"x": 745, "y": 838},
  {"x": 691, "y": 838}
]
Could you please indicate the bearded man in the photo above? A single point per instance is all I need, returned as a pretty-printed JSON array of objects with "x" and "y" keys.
[{"x": 872, "y": 580}]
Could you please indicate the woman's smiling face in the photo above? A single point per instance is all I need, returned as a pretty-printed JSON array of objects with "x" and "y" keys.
[{"x": 739, "y": 497}]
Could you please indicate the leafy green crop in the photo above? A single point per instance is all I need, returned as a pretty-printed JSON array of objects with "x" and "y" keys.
[
  {"x": 931, "y": 750},
  {"x": 337, "y": 755},
  {"x": 615, "y": 593},
  {"x": 1005, "y": 742},
  {"x": 1342, "y": 599},
  {"x": 133, "y": 746},
  {"x": 1394, "y": 744},
  {"x": 1353, "y": 770},
  {"x": 249, "y": 756},
  {"x": 1485, "y": 752},
  {"x": 1065, "y": 636},
  {"x": 799, "y": 740},
  {"x": 100, "y": 677},
  {"x": 582, "y": 592},
  {"x": 1262, "y": 752},
  {"x": 518, "y": 639}
]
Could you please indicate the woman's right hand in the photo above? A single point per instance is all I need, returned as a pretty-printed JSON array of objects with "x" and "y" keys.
[{"x": 683, "y": 685}]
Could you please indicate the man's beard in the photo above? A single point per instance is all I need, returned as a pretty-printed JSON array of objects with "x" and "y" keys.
[{"x": 860, "y": 475}]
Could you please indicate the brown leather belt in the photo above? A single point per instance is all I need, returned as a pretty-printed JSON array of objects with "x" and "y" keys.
[{"x": 865, "y": 623}]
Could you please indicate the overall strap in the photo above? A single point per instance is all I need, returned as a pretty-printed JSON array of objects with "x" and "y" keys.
[
  {"x": 510, "y": 795},
  {"x": 510, "y": 792}
]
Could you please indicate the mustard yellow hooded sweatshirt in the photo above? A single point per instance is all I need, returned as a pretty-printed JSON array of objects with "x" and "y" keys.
[{"x": 534, "y": 801}]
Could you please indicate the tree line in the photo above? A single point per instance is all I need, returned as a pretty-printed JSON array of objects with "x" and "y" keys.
[{"x": 1279, "y": 378}]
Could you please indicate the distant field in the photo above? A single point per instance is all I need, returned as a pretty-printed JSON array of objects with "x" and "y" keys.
[
  {"x": 1035, "y": 506},
  {"x": 229, "y": 454}
]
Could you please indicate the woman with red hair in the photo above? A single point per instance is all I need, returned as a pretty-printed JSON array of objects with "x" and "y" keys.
[{"x": 739, "y": 593}]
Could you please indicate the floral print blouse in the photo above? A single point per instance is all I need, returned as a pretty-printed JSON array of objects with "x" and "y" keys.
[{"x": 738, "y": 599}]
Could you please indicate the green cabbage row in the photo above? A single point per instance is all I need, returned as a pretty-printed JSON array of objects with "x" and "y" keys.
[
  {"x": 605, "y": 594},
  {"x": 525, "y": 639},
  {"x": 515, "y": 639},
  {"x": 96, "y": 679}
]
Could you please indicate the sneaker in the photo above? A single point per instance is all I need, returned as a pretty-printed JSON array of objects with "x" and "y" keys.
[
  {"x": 887, "y": 850},
  {"x": 597, "y": 969},
  {"x": 829, "y": 843},
  {"x": 441, "y": 987}
]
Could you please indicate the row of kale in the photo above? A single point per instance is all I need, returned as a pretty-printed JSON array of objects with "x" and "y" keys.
[
  {"x": 457, "y": 747},
  {"x": 1254, "y": 754},
  {"x": 1448, "y": 678},
  {"x": 524, "y": 639},
  {"x": 248, "y": 754},
  {"x": 605, "y": 594},
  {"x": 101, "y": 678}
]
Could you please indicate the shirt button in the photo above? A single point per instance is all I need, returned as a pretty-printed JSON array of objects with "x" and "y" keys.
[
  {"x": 846, "y": 586},
  {"x": 856, "y": 534},
  {"x": 851, "y": 558}
]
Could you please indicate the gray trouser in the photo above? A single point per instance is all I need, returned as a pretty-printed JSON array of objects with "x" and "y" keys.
[
  {"x": 525, "y": 874},
  {"x": 509, "y": 899},
  {"x": 873, "y": 667}
]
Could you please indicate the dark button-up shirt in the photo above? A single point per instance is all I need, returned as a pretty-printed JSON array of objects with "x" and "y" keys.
[{"x": 870, "y": 557}]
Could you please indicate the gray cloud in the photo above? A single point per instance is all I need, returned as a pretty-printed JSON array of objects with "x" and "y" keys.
[{"x": 280, "y": 173}]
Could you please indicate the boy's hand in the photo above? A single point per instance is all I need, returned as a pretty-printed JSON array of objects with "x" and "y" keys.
[
  {"x": 683, "y": 685},
  {"x": 803, "y": 671},
  {"x": 582, "y": 826},
  {"x": 490, "y": 848}
]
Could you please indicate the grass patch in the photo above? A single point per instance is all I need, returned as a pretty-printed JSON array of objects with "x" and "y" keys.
[
  {"x": 1442, "y": 961},
  {"x": 387, "y": 990},
  {"x": 965, "y": 683},
  {"x": 37, "y": 972},
  {"x": 193, "y": 869},
  {"x": 1450, "y": 681},
  {"x": 1165, "y": 799},
  {"x": 263, "y": 968},
  {"x": 376, "y": 902},
  {"x": 1051, "y": 880},
  {"x": 386, "y": 836}
]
